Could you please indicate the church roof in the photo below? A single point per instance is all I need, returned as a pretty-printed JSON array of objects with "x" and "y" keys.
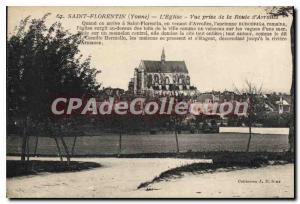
[{"x": 165, "y": 66}]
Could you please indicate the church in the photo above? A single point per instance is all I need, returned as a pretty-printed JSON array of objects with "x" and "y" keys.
[{"x": 162, "y": 78}]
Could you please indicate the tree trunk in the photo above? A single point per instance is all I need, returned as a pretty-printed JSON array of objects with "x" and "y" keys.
[
  {"x": 120, "y": 144},
  {"x": 64, "y": 144},
  {"x": 292, "y": 120},
  {"x": 36, "y": 145},
  {"x": 121, "y": 127},
  {"x": 58, "y": 149},
  {"x": 250, "y": 122},
  {"x": 24, "y": 140},
  {"x": 66, "y": 149},
  {"x": 27, "y": 148},
  {"x": 291, "y": 138},
  {"x": 73, "y": 146},
  {"x": 176, "y": 136},
  {"x": 292, "y": 91},
  {"x": 250, "y": 134}
]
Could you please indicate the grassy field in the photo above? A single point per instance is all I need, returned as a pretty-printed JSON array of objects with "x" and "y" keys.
[{"x": 160, "y": 143}]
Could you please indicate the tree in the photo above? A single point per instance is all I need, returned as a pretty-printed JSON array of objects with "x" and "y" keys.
[
  {"x": 255, "y": 104},
  {"x": 287, "y": 11},
  {"x": 43, "y": 62}
]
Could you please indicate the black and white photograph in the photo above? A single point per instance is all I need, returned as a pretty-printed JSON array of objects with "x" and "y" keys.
[{"x": 150, "y": 102}]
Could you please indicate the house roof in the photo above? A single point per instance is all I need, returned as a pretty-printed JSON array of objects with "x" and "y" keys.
[
  {"x": 283, "y": 102},
  {"x": 287, "y": 98},
  {"x": 165, "y": 66},
  {"x": 205, "y": 96}
]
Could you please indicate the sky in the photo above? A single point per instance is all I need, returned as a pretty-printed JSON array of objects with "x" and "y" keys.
[{"x": 211, "y": 65}]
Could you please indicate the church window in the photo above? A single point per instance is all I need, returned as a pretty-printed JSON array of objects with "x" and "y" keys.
[
  {"x": 149, "y": 80},
  {"x": 156, "y": 78},
  {"x": 188, "y": 80},
  {"x": 167, "y": 80}
]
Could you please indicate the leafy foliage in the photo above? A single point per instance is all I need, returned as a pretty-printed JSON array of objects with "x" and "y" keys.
[{"x": 44, "y": 62}]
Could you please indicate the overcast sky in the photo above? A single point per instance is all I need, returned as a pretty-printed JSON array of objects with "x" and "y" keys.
[{"x": 212, "y": 65}]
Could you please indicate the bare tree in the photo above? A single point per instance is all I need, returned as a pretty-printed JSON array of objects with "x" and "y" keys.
[
  {"x": 288, "y": 11},
  {"x": 252, "y": 91}
]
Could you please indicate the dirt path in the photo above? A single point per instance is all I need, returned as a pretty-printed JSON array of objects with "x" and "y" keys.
[{"x": 119, "y": 178}]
